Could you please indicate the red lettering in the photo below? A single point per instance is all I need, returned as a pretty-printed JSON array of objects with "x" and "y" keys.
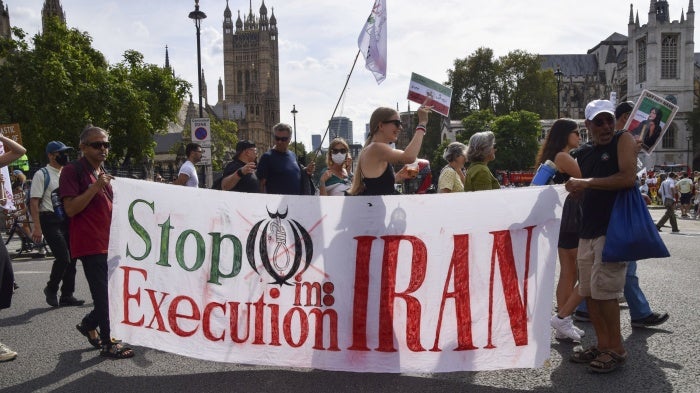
[
  {"x": 274, "y": 324},
  {"x": 388, "y": 293},
  {"x": 233, "y": 322},
  {"x": 459, "y": 266},
  {"x": 156, "y": 310},
  {"x": 206, "y": 321},
  {"x": 126, "y": 295},
  {"x": 517, "y": 307},
  {"x": 259, "y": 314},
  {"x": 333, "y": 321},
  {"x": 173, "y": 315},
  {"x": 361, "y": 293},
  {"x": 303, "y": 327}
]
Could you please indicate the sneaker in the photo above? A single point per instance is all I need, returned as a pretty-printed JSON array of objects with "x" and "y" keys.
[
  {"x": 564, "y": 328},
  {"x": 6, "y": 354},
  {"x": 580, "y": 332},
  {"x": 51, "y": 297},
  {"x": 581, "y": 316},
  {"x": 70, "y": 301},
  {"x": 654, "y": 319}
]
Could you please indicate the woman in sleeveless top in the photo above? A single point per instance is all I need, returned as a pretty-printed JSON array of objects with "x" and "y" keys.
[
  {"x": 374, "y": 174},
  {"x": 336, "y": 179},
  {"x": 561, "y": 139}
]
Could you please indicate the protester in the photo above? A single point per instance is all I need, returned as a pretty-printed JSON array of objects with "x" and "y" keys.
[
  {"x": 188, "y": 173},
  {"x": 278, "y": 170},
  {"x": 375, "y": 174},
  {"x": 239, "y": 174},
  {"x": 685, "y": 188},
  {"x": 13, "y": 151},
  {"x": 608, "y": 165},
  {"x": 452, "y": 175},
  {"x": 335, "y": 181},
  {"x": 53, "y": 228},
  {"x": 667, "y": 194},
  {"x": 648, "y": 131},
  {"x": 481, "y": 151},
  {"x": 562, "y": 138},
  {"x": 87, "y": 198}
]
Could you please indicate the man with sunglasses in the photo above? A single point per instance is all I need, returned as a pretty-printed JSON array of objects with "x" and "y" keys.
[
  {"x": 87, "y": 197},
  {"x": 278, "y": 170},
  {"x": 607, "y": 165},
  {"x": 187, "y": 176},
  {"x": 239, "y": 174},
  {"x": 53, "y": 227}
]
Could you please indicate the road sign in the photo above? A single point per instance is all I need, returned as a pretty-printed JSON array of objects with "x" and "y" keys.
[{"x": 201, "y": 131}]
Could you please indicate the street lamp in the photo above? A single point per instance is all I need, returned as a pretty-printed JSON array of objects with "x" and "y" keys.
[
  {"x": 558, "y": 74},
  {"x": 689, "y": 138},
  {"x": 294, "y": 117},
  {"x": 197, "y": 17}
]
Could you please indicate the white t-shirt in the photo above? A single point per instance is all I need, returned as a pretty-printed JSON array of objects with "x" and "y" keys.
[
  {"x": 38, "y": 191},
  {"x": 188, "y": 169},
  {"x": 667, "y": 189}
]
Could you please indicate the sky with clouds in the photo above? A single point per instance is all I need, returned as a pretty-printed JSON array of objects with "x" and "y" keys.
[{"x": 318, "y": 41}]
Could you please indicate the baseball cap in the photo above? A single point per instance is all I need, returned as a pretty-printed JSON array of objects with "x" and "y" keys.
[
  {"x": 623, "y": 107},
  {"x": 56, "y": 146},
  {"x": 596, "y": 107},
  {"x": 243, "y": 145}
]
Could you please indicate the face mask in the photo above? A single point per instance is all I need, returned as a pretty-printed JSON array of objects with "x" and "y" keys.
[
  {"x": 62, "y": 159},
  {"x": 338, "y": 158}
]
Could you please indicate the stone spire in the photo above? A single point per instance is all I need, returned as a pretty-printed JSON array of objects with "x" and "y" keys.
[{"x": 52, "y": 8}]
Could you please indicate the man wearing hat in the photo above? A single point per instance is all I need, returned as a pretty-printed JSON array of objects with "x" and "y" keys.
[
  {"x": 53, "y": 227},
  {"x": 239, "y": 174},
  {"x": 608, "y": 164}
]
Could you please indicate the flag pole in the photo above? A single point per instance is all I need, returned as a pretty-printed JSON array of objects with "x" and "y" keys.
[{"x": 342, "y": 92}]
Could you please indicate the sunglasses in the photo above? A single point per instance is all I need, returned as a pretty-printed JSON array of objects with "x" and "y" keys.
[
  {"x": 342, "y": 151},
  {"x": 397, "y": 123},
  {"x": 282, "y": 138},
  {"x": 601, "y": 121},
  {"x": 99, "y": 145}
]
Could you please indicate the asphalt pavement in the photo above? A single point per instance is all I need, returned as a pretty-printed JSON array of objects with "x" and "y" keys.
[{"x": 54, "y": 357}]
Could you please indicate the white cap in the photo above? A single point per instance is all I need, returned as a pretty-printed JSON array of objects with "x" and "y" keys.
[{"x": 596, "y": 107}]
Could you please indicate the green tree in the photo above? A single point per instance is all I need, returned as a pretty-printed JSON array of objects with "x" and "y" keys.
[
  {"x": 473, "y": 81},
  {"x": 516, "y": 140},
  {"x": 223, "y": 140},
  {"x": 476, "y": 122}
]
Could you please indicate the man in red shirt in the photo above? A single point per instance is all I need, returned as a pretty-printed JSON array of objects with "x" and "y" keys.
[{"x": 87, "y": 199}]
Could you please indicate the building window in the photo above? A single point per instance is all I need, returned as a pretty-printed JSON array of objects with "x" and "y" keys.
[
  {"x": 642, "y": 60},
  {"x": 669, "y": 138},
  {"x": 669, "y": 56}
]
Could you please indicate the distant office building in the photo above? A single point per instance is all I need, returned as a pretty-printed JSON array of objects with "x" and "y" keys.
[
  {"x": 315, "y": 141},
  {"x": 340, "y": 127}
]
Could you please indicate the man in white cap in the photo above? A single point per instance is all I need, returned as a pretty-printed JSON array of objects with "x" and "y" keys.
[
  {"x": 608, "y": 164},
  {"x": 53, "y": 227}
]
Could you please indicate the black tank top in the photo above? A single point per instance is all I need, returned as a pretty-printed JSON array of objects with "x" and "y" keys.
[{"x": 382, "y": 185}]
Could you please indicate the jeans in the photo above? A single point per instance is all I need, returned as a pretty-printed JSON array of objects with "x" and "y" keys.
[
  {"x": 637, "y": 302},
  {"x": 95, "y": 267},
  {"x": 63, "y": 268}
]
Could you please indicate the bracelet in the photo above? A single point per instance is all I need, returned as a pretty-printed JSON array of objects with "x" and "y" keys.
[
  {"x": 240, "y": 172},
  {"x": 422, "y": 128}
]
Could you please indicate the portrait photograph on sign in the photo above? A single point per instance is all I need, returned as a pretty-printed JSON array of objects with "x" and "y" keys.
[{"x": 651, "y": 117}]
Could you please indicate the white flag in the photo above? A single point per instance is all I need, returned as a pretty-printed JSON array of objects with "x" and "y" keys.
[{"x": 372, "y": 41}]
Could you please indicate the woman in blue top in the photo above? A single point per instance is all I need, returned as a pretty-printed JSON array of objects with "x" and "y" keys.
[{"x": 374, "y": 174}]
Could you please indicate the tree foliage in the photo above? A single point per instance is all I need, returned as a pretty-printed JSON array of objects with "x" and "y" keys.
[
  {"x": 508, "y": 84},
  {"x": 62, "y": 84}
]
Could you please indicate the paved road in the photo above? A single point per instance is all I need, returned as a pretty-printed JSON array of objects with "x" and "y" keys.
[{"x": 53, "y": 357}]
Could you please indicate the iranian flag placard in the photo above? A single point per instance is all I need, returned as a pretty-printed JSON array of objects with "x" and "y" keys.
[{"x": 421, "y": 88}]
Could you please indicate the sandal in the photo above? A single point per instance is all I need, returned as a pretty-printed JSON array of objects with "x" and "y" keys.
[
  {"x": 116, "y": 351},
  {"x": 586, "y": 356},
  {"x": 607, "y": 361},
  {"x": 95, "y": 342}
]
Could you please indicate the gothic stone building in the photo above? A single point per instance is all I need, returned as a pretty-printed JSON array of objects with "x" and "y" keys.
[
  {"x": 657, "y": 56},
  {"x": 249, "y": 94}
]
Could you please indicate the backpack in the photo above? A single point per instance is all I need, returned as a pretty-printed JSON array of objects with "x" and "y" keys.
[{"x": 47, "y": 179}]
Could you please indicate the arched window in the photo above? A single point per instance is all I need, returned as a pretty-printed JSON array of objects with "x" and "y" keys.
[
  {"x": 669, "y": 56},
  {"x": 669, "y": 139},
  {"x": 641, "y": 60}
]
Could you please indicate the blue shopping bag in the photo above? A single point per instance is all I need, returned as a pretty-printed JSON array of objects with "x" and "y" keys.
[{"x": 632, "y": 234}]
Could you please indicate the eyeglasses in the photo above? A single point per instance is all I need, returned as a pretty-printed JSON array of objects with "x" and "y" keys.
[
  {"x": 99, "y": 145},
  {"x": 397, "y": 123},
  {"x": 282, "y": 138},
  {"x": 341, "y": 151},
  {"x": 603, "y": 120}
]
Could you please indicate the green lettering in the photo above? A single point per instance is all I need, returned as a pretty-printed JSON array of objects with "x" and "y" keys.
[
  {"x": 139, "y": 230},
  {"x": 164, "y": 242},
  {"x": 180, "y": 250},
  {"x": 215, "y": 256}
]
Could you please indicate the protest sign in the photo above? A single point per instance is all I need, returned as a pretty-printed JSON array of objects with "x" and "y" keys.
[
  {"x": 650, "y": 118},
  {"x": 408, "y": 283}
]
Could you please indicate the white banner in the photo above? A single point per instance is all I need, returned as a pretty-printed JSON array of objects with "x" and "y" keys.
[{"x": 413, "y": 283}]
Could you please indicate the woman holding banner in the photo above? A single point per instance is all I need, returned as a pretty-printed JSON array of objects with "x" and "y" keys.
[
  {"x": 336, "y": 179},
  {"x": 561, "y": 139},
  {"x": 452, "y": 175},
  {"x": 481, "y": 150},
  {"x": 12, "y": 151},
  {"x": 375, "y": 175}
]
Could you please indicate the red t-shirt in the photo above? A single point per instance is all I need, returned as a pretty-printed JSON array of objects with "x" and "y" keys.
[{"x": 89, "y": 229}]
